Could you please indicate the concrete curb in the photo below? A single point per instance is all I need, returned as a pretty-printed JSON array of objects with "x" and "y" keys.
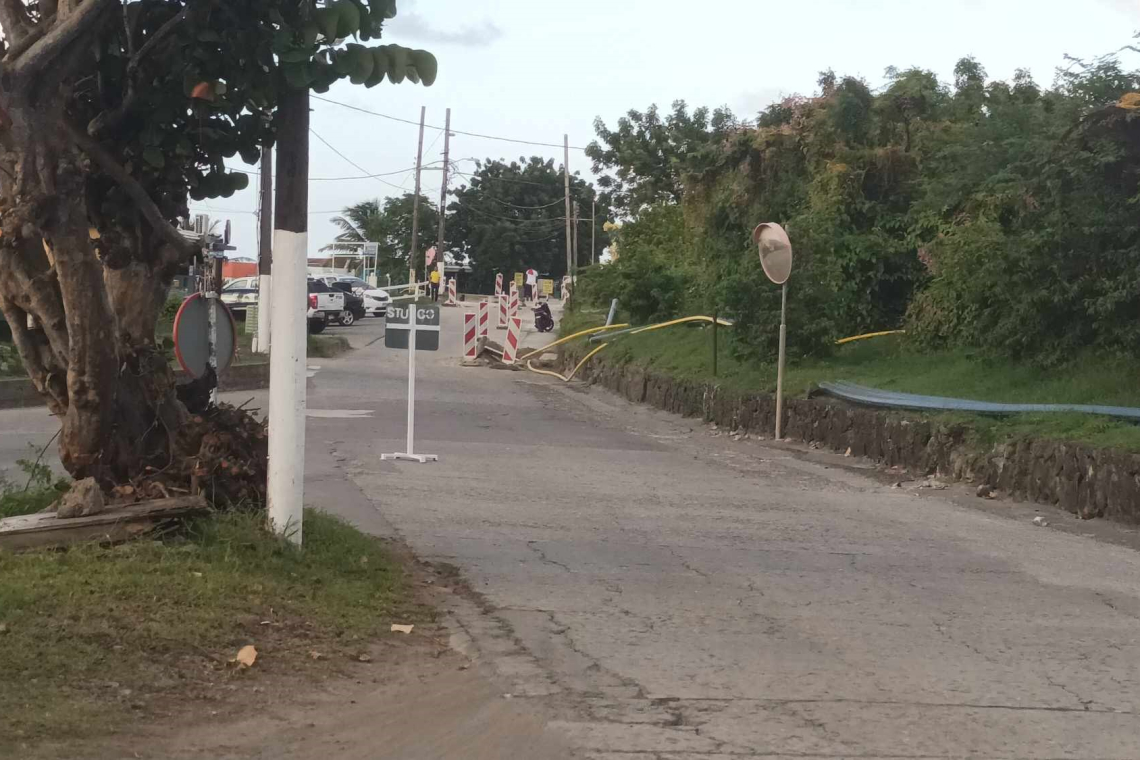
[{"x": 1084, "y": 480}]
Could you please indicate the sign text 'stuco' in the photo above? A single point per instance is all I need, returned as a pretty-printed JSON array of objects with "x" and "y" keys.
[{"x": 399, "y": 321}]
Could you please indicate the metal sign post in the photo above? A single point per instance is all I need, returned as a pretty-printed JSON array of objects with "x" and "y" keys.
[
  {"x": 776, "y": 259},
  {"x": 403, "y": 325}
]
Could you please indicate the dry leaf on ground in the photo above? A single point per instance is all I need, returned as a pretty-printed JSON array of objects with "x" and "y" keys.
[{"x": 246, "y": 656}]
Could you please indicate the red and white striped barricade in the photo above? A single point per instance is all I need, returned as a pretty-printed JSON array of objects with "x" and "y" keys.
[
  {"x": 513, "y": 303},
  {"x": 470, "y": 337},
  {"x": 503, "y": 312},
  {"x": 452, "y": 300},
  {"x": 499, "y": 284},
  {"x": 484, "y": 318},
  {"x": 511, "y": 344}
]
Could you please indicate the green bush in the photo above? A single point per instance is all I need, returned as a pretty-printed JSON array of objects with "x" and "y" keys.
[
  {"x": 171, "y": 307},
  {"x": 649, "y": 277}
]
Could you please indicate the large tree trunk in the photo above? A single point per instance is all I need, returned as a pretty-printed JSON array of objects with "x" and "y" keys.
[
  {"x": 83, "y": 303},
  {"x": 89, "y": 343},
  {"x": 86, "y": 257}
]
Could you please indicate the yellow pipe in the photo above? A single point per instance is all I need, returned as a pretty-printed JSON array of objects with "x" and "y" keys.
[
  {"x": 869, "y": 335},
  {"x": 560, "y": 341},
  {"x": 532, "y": 368},
  {"x": 680, "y": 321},
  {"x": 585, "y": 359},
  {"x": 569, "y": 377}
]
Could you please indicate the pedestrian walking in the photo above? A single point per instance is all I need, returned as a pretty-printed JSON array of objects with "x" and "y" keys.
[
  {"x": 434, "y": 279},
  {"x": 530, "y": 291}
]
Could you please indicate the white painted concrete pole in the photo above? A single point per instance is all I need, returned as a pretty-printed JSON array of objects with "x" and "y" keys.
[
  {"x": 285, "y": 492},
  {"x": 780, "y": 362},
  {"x": 287, "y": 376}
]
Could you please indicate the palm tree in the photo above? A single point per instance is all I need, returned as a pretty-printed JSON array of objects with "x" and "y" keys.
[
  {"x": 389, "y": 224},
  {"x": 360, "y": 223}
]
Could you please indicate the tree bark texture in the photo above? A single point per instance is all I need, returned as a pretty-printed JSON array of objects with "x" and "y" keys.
[{"x": 86, "y": 258}]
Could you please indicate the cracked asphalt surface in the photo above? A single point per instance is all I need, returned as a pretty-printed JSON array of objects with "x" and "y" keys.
[
  {"x": 657, "y": 591},
  {"x": 649, "y": 589}
]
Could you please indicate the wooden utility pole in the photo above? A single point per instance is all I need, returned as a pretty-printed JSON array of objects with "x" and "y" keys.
[
  {"x": 566, "y": 180},
  {"x": 575, "y": 234},
  {"x": 265, "y": 252},
  {"x": 413, "y": 261},
  {"x": 285, "y": 493},
  {"x": 443, "y": 186},
  {"x": 593, "y": 231}
]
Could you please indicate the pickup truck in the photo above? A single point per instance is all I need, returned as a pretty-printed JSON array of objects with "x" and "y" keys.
[
  {"x": 329, "y": 304},
  {"x": 324, "y": 303}
]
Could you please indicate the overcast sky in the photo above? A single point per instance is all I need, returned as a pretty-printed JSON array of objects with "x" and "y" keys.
[{"x": 535, "y": 69}]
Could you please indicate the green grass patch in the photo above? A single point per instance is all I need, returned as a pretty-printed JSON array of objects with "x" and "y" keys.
[
  {"x": 893, "y": 363},
  {"x": 93, "y": 633},
  {"x": 37, "y": 489},
  {"x": 328, "y": 346}
]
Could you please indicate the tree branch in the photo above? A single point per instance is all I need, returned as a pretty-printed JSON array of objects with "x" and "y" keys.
[
  {"x": 37, "y": 293},
  {"x": 108, "y": 120},
  {"x": 153, "y": 41},
  {"x": 44, "y": 373},
  {"x": 18, "y": 48},
  {"x": 137, "y": 193},
  {"x": 15, "y": 20},
  {"x": 58, "y": 39}
]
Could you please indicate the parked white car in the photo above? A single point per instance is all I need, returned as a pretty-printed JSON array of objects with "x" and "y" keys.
[
  {"x": 239, "y": 293},
  {"x": 376, "y": 301}
]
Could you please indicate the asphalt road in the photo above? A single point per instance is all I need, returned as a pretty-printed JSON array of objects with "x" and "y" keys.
[
  {"x": 656, "y": 591},
  {"x": 659, "y": 591}
]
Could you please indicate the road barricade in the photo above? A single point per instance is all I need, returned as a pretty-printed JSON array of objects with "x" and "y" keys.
[{"x": 511, "y": 344}]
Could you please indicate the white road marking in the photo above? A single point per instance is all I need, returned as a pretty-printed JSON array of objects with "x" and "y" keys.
[{"x": 339, "y": 414}]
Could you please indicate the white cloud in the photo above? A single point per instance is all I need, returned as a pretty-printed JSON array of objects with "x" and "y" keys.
[{"x": 415, "y": 26}]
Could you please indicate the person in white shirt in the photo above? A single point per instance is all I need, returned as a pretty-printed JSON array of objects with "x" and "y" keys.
[{"x": 530, "y": 290}]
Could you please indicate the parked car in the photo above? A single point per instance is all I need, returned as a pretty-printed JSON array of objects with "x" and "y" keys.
[
  {"x": 317, "y": 320},
  {"x": 353, "y": 303},
  {"x": 376, "y": 301},
  {"x": 240, "y": 293},
  {"x": 330, "y": 302}
]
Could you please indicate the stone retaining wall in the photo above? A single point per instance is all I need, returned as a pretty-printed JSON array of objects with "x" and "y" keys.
[{"x": 1082, "y": 479}]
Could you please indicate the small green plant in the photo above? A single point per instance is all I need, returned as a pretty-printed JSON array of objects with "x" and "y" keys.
[
  {"x": 39, "y": 489},
  {"x": 10, "y": 363},
  {"x": 171, "y": 307}
]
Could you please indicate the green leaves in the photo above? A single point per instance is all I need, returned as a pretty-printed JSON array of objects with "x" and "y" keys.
[
  {"x": 154, "y": 157},
  {"x": 217, "y": 184},
  {"x": 379, "y": 67},
  {"x": 369, "y": 66},
  {"x": 348, "y": 17},
  {"x": 426, "y": 65}
]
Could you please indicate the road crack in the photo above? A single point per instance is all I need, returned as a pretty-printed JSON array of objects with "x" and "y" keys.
[{"x": 542, "y": 556}]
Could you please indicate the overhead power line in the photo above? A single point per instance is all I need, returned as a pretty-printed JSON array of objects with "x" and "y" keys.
[
  {"x": 528, "y": 208},
  {"x": 254, "y": 213},
  {"x": 453, "y": 131},
  {"x": 349, "y": 160},
  {"x": 346, "y": 179},
  {"x": 502, "y": 179},
  {"x": 548, "y": 220}
]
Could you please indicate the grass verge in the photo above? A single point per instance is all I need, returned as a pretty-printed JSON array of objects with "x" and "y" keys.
[
  {"x": 93, "y": 634},
  {"x": 893, "y": 363},
  {"x": 328, "y": 346}
]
